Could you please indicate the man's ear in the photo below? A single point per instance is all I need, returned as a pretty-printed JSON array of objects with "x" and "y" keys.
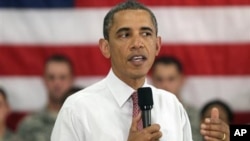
[
  {"x": 104, "y": 47},
  {"x": 158, "y": 45}
]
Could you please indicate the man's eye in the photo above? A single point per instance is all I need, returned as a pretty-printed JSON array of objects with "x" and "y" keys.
[
  {"x": 124, "y": 35},
  {"x": 146, "y": 34}
]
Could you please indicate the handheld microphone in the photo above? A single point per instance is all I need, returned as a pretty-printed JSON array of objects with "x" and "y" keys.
[{"x": 145, "y": 102}]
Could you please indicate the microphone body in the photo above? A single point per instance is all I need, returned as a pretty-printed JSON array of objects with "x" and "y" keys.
[
  {"x": 145, "y": 101},
  {"x": 146, "y": 118}
]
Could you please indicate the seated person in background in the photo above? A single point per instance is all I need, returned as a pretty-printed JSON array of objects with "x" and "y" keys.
[
  {"x": 58, "y": 79},
  {"x": 226, "y": 113},
  {"x": 5, "y": 134},
  {"x": 167, "y": 74}
]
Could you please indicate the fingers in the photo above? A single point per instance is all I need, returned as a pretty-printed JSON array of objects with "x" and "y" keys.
[
  {"x": 207, "y": 138},
  {"x": 212, "y": 134},
  {"x": 214, "y": 129},
  {"x": 215, "y": 125},
  {"x": 153, "y": 128},
  {"x": 152, "y": 132},
  {"x": 135, "y": 122},
  {"x": 156, "y": 135},
  {"x": 215, "y": 113}
]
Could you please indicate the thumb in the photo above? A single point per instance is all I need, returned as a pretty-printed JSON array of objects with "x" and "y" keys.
[
  {"x": 215, "y": 113},
  {"x": 135, "y": 122}
]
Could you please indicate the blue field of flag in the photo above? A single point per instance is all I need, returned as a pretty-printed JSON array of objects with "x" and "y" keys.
[{"x": 36, "y": 3}]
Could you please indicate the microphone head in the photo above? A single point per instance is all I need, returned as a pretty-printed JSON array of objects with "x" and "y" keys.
[{"x": 145, "y": 98}]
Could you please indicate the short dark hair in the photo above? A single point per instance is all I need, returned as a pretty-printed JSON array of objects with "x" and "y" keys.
[
  {"x": 60, "y": 59},
  {"x": 127, "y": 5},
  {"x": 221, "y": 104},
  {"x": 3, "y": 93},
  {"x": 168, "y": 60}
]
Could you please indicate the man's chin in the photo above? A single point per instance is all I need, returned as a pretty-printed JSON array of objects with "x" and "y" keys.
[{"x": 139, "y": 74}]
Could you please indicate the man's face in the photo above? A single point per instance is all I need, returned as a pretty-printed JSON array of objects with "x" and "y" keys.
[
  {"x": 167, "y": 77},
  {"x": 4, "y": 109},
  {"x": 58, "y": 80},
  {"x": 132, "y": 44}
]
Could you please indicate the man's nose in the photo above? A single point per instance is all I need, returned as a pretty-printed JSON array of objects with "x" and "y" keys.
[{"x": 137, "y": 42}]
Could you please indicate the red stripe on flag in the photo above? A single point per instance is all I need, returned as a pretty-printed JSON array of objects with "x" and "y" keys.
[
  {"x": 197, "y": 59},
  {"x": 104, "y": 3},
  {"x": 29, "y": 60}
]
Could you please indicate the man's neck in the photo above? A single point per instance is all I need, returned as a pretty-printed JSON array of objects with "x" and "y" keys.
[{"x": 134, "y": 83}]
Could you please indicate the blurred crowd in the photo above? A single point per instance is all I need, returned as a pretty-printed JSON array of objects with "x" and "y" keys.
[{"x": 166, "y": 73}]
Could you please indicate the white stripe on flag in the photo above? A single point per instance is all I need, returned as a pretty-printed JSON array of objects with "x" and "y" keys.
[
  {"x": 28, "y": 93},
  {"x": 232, "y": 89},
  {"x": 84, "y": 26}
]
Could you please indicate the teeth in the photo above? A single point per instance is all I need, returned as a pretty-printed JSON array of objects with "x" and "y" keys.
[{"x": 137, "y": 57}]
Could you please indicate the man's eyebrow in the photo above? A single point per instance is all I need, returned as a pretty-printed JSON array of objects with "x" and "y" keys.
[
  {"x": 122, "y": 29},
  {"x": 147, "y": 28}
]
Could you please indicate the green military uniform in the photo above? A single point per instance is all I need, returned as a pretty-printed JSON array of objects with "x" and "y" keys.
[
  {"x": 194, "y": 118},
  {"x": 37, "y": 127},
  {"x": 9, "y": 136}
]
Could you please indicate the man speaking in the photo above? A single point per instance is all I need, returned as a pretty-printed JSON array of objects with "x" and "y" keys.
[{"x": 108, "y": 110}]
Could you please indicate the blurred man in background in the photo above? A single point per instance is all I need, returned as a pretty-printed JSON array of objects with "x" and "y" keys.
[
  {"x": 167, "y": 74},
  {"x": 5, "y": 134},
  {"x": 58, "y": 79}
]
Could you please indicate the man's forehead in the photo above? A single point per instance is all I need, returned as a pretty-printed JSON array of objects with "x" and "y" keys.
[{"x": 129, "y": 14}]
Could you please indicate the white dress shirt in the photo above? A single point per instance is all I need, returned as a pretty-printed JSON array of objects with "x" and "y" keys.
[{"x": 103, "y": 112}]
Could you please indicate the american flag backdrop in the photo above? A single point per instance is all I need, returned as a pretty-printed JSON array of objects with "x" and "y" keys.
[{"x": 210, "y": 37}]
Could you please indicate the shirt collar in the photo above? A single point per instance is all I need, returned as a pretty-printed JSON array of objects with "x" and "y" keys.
[{"x": 119, "y": 89}]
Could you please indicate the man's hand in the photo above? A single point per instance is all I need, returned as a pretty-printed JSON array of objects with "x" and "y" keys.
[
  {"x": 214, "y": 129},
  {"x": 151, "y": 133}
]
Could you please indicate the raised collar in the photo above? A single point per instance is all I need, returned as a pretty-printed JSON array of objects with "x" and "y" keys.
[{"x": 119, "y": 89}]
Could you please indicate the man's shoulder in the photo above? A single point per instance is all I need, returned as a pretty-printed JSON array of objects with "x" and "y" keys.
[
  {"x": 36, "y": 126},
  {"x": 91, "y": 92},
  {"x": 31, "y": 119},
  {"x": 37, "y": 119}
]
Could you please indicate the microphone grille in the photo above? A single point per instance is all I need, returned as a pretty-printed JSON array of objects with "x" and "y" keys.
[{"x": 145, "y": 98}]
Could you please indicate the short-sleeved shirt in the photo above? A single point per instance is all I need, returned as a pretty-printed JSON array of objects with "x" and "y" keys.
[{"x": 104, "y": 110}]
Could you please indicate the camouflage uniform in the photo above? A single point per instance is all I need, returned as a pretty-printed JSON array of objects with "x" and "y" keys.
[
  {"x": 194, "y": 118},
  {"x": 9, "y": 136},
  {"x": 37, "y": 127}
]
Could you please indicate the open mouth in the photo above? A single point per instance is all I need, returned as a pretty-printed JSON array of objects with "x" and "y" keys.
[{"x": 137, "y": 58}]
